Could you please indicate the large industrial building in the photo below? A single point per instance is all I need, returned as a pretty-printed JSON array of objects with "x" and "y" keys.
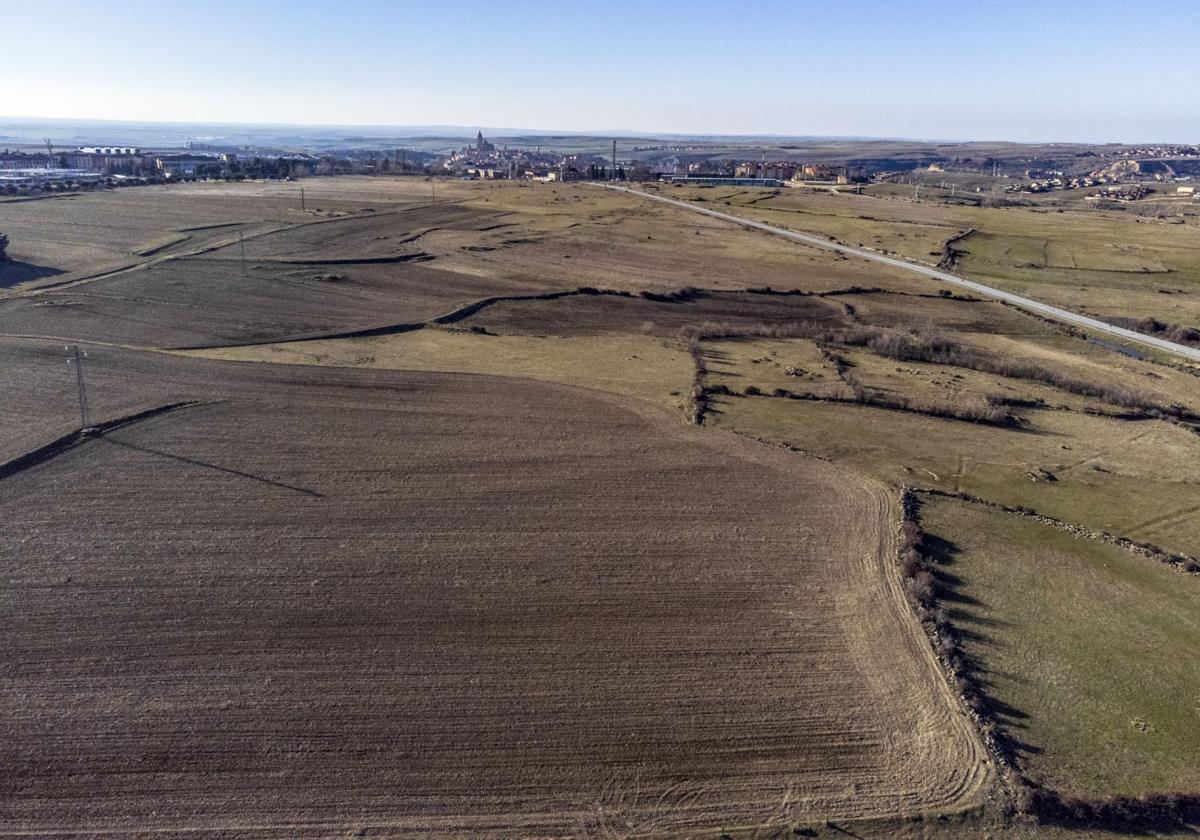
[{"x": 42, "y": 177}]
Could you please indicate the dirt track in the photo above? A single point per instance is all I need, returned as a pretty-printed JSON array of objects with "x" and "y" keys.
[{"x": 447, "y": 605}]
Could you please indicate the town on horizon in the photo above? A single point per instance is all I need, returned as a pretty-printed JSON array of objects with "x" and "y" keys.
[{"x": 1113, "y": 171}]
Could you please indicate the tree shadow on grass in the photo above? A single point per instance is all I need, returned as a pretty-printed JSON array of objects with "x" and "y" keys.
[
  {"x": 968, "y": 617},
  {"x": 15, "y": 272}
]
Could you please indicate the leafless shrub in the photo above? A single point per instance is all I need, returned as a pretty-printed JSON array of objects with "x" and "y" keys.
[
  {"x": 699, "y": 392},
  {"x": 1177, "y": 333},
  {"x": 917, "y": 344},
  {"x": 1155, "y": 811},
  {"x": 687, "y": 293}
]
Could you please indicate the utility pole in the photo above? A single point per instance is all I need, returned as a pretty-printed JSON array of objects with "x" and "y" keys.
[
  {"x": 76, "y": 358},
  {"x": 242, "y": 246},
  {"x": 303, "y": 208},
  {"x": 614, "y": 162}
]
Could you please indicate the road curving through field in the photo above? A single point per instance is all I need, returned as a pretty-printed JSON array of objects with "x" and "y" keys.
[{"x": 1058, "y": 314}]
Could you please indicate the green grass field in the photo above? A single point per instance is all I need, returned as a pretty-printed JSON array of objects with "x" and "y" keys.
[{"x": 1096, "y": 651}]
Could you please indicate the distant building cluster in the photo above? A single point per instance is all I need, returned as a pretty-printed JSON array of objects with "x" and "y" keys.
[
  {"x": 13, "y": 178},
  {"x": 1123, "y": 192},
  {"x": 720, "y": 181},
  {"x": 693, "y": 162},
  {"x": 127, "y": 164},
  {"x": 483, "y": 161},
  {"x": 1165, "y": 151},
  {"x": 677, "y": 167}
]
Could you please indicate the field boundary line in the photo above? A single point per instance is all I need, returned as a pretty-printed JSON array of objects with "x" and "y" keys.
[
  {"x": 459, "y": 313},
  {"x": 924, "y": 270},
  {"x": 467, "y": 310},
  {"x": 1183, "y": 562},
  {"x": 105, "y": 274}
]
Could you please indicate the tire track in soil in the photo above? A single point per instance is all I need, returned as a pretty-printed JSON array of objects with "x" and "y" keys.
[
  {"x": 1174, "y": 517},
  {"x": 968, "y": 772}
]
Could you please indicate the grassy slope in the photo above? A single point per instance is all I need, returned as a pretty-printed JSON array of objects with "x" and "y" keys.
[
  {"x": 1094, "y": 648},
  {"x": 637, "y": 366},
  {"x": 1140, "y": 488}
]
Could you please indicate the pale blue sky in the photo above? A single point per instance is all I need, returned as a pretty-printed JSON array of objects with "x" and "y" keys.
[{"x": 1008, "y": 69}]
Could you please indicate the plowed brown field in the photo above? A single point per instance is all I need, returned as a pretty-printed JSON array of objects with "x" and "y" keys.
[
  {"x": 211, "y": 302},
  {"x": 449, "y": 605}
]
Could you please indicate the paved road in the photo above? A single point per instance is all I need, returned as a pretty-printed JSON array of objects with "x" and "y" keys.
[{"x": 1066, "y": 316}]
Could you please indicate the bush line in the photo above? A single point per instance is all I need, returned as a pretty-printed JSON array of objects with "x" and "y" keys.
[
  {"x": 699, "y": 404},
  {"x": 1183, "y": 562},
  {"x": 1153, "y": 811},
  {"x": 918, "y": 346}
]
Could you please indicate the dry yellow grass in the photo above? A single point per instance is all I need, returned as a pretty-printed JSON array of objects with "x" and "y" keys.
[
  {"x": 643, "y": 367},
  {"x": 1100, "y": 262},
  {"x": 1129, "y": 478}
]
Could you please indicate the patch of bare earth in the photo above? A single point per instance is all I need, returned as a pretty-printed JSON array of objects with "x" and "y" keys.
[{"x": 450, "y": 605}]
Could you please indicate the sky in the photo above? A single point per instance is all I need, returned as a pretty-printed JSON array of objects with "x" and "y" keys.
[{"x": 1052, "y": 70}]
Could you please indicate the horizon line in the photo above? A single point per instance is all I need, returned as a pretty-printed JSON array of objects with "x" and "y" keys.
[{"x": 622, "y": 133}]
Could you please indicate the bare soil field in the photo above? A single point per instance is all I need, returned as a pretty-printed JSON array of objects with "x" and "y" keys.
[
  {"x": 208, "y": 301},
  {"x": 163, "y": 266},
  {"x": 606, "y": 239},
  {"x": 64, "y": 237},
  {"x": 377, "y": 235},
  {"x": 102, "y": 230},
  {"x": 336, "y": 601}
]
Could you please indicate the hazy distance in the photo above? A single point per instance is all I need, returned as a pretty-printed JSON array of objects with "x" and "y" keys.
[{"x": 914, "y": 68}]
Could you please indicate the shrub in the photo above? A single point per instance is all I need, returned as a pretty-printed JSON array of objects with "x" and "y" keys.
[
  {"x": 1178, "y": 333},
  {"x": 685, "y": 294}
]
